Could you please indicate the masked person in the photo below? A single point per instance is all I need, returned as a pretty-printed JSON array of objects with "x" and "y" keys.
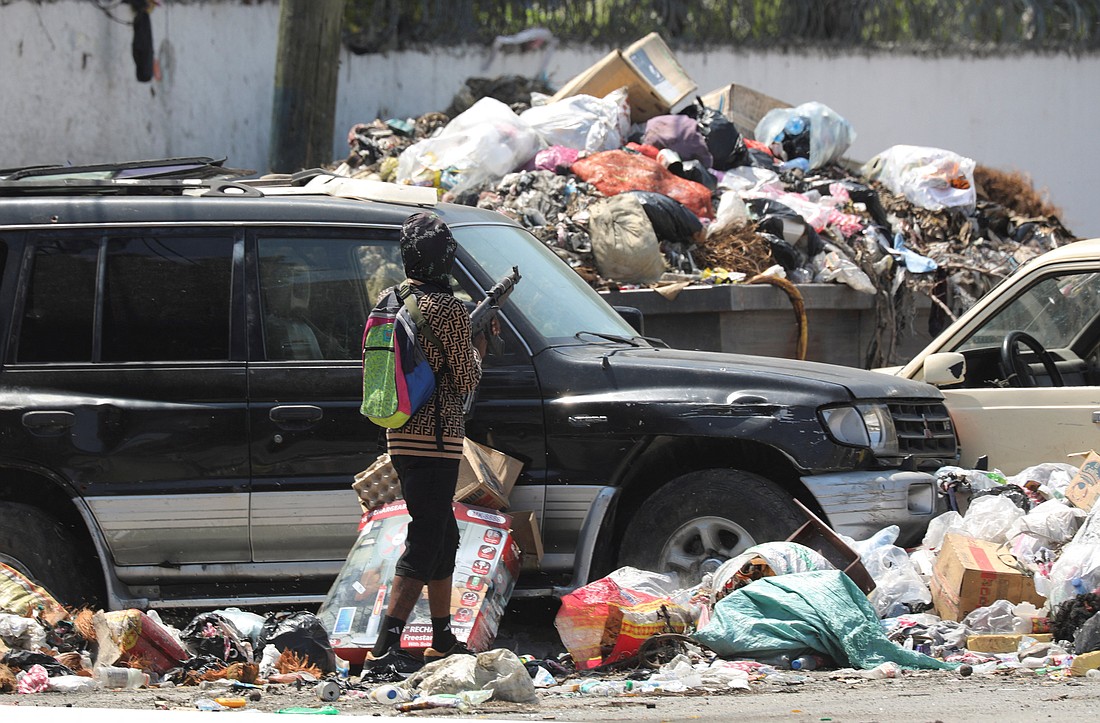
[{"x": 426, "y": 451}]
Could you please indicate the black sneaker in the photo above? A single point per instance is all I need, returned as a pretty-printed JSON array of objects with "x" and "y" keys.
[
  {"x": 459, "y": 648},
  {"x": 396, "y": 660}
]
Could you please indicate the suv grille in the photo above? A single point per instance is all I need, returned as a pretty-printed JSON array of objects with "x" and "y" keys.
[{"x": 924, "y": 429}]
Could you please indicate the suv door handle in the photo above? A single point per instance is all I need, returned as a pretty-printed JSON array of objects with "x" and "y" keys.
[
  {"x": 296, "y": 416},
  {"x": 48, "y": 423}
]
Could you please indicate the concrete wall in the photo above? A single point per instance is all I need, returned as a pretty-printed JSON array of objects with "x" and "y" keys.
[{"x": 69, "y": 94}]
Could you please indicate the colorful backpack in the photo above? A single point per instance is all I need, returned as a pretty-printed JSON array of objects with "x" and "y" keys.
[{"x": 397, "y": 378}]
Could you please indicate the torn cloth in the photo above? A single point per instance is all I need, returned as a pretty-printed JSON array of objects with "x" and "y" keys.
[{"x": 820, "y": 611}]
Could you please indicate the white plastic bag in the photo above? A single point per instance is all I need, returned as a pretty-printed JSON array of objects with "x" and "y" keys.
[
  {"x": 583, "y": 122},
  {"x": 481, "y": 144},
  {"x": 898, "y": 585},
  {"x": 997, "y": 618},
  {"x": 950, "y": 521},
  {"x": 931, "y": 178},
  {"x": 21, "y": 633},
  {"x": 832, "y": 265},
  {"x": 731, "y": 210},
  {"x": 1053, "y": 521},
  {"x": 990, "y": 517},
  {"x": 1076, "y": 571},
  {"x": 830, "y": 133},
  {"x": 499, "y": 671},
  {"x": 1053, "y": 478}
]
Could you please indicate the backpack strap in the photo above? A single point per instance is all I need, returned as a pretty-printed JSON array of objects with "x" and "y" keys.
[{"x": 407, "y": 295}]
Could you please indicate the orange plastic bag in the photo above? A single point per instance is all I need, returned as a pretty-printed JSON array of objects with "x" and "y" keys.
[
  {"x": 606, "y": 622},
  {"x": 613, "y": 172}
]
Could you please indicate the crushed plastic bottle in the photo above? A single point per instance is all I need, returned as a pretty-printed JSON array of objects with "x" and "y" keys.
[
  {"x": 389, "y": 695},
  {"x": 601, "y": 687},
  {"x": 807, "y": 662},
  {"x": 110, "y": 677}
]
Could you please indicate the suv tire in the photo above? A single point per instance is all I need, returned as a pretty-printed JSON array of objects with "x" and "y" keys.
[
  {"x": 43, "y": 549},
  {"x": 699, "y": 520}
]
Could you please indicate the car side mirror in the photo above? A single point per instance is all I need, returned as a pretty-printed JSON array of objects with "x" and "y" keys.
[
  {"x": 633, "y": 317},
  {"x": 947, "y": 367}
]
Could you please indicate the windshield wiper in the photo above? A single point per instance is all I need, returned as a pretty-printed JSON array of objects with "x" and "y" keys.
[{"x": 608, "y": 337}]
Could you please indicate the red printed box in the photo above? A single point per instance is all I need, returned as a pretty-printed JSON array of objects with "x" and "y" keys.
[{"x": 486, "y": 568}]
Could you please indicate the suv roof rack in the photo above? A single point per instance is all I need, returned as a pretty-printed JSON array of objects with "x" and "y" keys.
[
  {"x": 194, "y": 167},
  {"x": 200, "y": 176}
]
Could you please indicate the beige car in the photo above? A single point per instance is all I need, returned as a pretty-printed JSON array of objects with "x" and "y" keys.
[{"x": 1020, "y": 370}]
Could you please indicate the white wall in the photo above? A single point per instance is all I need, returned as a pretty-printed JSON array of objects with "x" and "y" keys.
[{"x": 68, "y": 93}]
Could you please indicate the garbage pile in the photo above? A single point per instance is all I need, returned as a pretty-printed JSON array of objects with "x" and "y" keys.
[{"x": 733, "y": 185}]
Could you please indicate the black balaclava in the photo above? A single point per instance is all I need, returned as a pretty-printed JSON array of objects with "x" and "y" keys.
[{"x": 428, "y": 250}]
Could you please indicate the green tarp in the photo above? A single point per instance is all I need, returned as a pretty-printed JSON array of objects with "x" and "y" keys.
[{"x": 820, "y": 611}]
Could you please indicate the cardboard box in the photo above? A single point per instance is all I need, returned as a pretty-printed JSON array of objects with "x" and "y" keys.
[
  {"x": 1085, "y": 486},
  {"x": 743, "y": 106},
  {"x": 525, "y": 531},
  {"x": 1010, "y": 643},
  {"x": 486, "y": 568},
  {"x": 654, "y": 79},
  {"x": 486, "y": 476},
  {"x": 972, "y": 573}
]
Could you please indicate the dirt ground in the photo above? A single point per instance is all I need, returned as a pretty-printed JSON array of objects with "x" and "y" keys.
[{"x": 810, "y": 696}]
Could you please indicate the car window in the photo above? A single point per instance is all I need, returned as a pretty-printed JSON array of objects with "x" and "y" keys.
[
  {"x": 167, "y": 299},
  {"x": 59, "y": 306},
  {"x": 1054, "y": 311},
  {"x": 553, "y": 298},
  {"x": 316, "y": 293}
]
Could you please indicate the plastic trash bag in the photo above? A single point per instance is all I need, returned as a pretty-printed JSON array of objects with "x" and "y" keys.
[
  {"x": 765, "y": 560},
  {"x": 899, "y": 588},
  {"x": 479, "y": 145},
  {"x": 20, "y": 596},
  {"x": 608, "y": 619},
  {"x": 829, "y": 134},
  {"x": 931, "y": 178},
  {"x": 1053, "y": 478},
  {"x": 996, "y": 618},
  {"x": 623, "y": 240},
  {"x": 557, "y": 159},
  {"x": 1053, "y": 521},
  {"x": 833, "y": 265},
  {"x": 678, "y": 133},
  {"x": 20, "y": 633},
  {"x": 670, "y": 219},
  {"x": 302, "y": 633},
  {"x": 1075, "y": 572},
  {"x": 990, "y": 518},
  {"x": 724, "y": 141},
  {"x": 582, "y": 122},
  {"x": 950, "y": 521},
  {"x": 499, "y": 671},
  {"x": 216, "y": 635}
]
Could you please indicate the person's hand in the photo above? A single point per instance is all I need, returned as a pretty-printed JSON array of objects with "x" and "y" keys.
[{"x": 481, "y": 343}]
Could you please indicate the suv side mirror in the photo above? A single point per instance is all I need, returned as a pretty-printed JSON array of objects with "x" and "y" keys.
[
  {"x": 633, "y": 317},
  {"x": 947, "y": 367}
]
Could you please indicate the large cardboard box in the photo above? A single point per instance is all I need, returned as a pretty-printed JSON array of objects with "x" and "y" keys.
[
  {"x": 743, "y": 106},
  {"x": 525, "y": 530},
  {"x": 1084, "y": 488},
  {"x": 971, "y": 573},
  {"x": 486, "y": 568},
  {"x": 654, "y": 79},
  {"x": 486, "y": 476}
]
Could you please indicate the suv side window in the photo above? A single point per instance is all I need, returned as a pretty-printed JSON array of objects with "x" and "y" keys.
[
  {"x": 164, "y": 298},
  {"x": 59, "y": 311},
  {"x": 316, "y": 293},
  {"x": 167, "y": 299}
]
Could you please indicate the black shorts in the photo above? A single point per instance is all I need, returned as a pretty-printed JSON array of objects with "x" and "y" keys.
[{"x": 428, "y": 485}]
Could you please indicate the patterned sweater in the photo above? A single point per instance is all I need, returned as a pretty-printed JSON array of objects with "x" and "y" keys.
[{"x": 420, "y": 437}]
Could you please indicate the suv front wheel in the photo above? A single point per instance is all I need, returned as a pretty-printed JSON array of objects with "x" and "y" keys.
[
  {"x": 695, "y": 522},
  {"x": 43, "y": 549}
]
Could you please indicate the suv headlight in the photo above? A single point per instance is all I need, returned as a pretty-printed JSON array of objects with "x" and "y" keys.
[{"x": 863, "y": 425}]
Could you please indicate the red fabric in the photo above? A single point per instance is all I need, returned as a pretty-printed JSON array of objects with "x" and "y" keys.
[
  {"x": 758, "y": 146},
  {"x": 613, "y": 172}
]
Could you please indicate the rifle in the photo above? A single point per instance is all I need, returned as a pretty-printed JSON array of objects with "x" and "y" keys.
[
  {"x": 482, "y": 315},
  {"x": 481, "y": 320}
]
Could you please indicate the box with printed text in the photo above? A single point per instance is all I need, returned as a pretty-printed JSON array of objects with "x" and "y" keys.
[{"x": 486, "y": 568}]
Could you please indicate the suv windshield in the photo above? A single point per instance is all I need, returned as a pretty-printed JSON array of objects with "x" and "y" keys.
[{"x": 552, "y": 297}]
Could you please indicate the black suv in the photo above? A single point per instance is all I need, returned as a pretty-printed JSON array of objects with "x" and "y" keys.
[{"x": 180, "y": 386}]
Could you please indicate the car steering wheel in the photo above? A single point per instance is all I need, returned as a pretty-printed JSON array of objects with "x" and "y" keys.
[{"x": 1014, "y": 365}]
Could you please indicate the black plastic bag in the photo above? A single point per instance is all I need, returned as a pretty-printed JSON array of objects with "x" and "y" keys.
[
  {"x": 694, "y": 171},
  {"x": 210, "y": 634},
  {"x": 671, "y": 220},
  {"x": 1012, "y": 492},
  {"x": 301, "y": 633},
  {"x": 1087, "y": 638},
  {"x": 24, "y": 660},
  {"x": 724, "y": 141}
]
